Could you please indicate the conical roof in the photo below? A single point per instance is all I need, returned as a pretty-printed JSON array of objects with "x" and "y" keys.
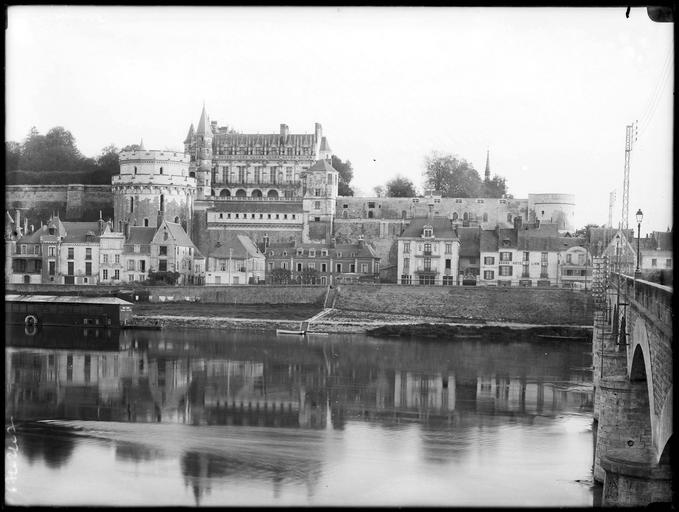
[
  {"x": 203, "y": 125},
  {"x": 189, "y": 135},
  {"x": 322, "y": 165},
  {"x": 324, "y": 145}
]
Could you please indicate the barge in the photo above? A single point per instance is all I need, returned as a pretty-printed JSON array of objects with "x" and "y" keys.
[{"x": 67, "y": 311}]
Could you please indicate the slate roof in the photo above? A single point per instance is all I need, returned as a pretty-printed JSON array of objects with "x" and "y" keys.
[
  {"x": 178, "y": 233},
  {"x": 240, "y": 245},
  {"x": 76, "y": 232},
  {"x": 258, "y": 206},
  {"x": 470, "y": 242},
  {"x": 441, "y": 226},
  {"x": 189, "y": 135},
  {"x": 322, "y": 165},
  {"x": 265, "y": 139},
  {"x": 203, "y": 125},
  {"x": 33, "y": 238},
  {"x": 140, "y": 236},
  {"x": 346, "y": 249},
  {"x": 488, "y": 240}
]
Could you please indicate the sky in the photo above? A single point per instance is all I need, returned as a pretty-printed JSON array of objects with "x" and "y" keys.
[{"x": 548, "y": 91}]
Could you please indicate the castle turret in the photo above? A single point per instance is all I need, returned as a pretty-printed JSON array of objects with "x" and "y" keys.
[
  {"x": 324, "y": 152},
  {"x": 204, "y": 156}
]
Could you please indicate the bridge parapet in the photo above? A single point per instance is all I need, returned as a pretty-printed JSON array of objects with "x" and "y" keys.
[{"x": 651, "y": 298}]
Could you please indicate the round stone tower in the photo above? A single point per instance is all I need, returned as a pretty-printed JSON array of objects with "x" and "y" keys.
[{"x": 152, "y": 186}]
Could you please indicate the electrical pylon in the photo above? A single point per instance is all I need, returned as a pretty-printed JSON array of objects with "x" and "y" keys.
[{"x": 630, "y": 136}]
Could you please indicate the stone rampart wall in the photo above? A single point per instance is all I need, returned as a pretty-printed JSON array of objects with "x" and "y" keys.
[{"x": 73, "y": 202}]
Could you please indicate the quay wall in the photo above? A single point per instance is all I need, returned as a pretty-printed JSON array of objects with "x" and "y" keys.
[{"x": 542, "y": 306}]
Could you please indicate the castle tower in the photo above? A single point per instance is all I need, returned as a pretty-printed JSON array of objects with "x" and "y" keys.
[
  {"x": 152, "y": 186},
  {"x": 203, "y": 150},
  {"x": 319, "y": 185}
]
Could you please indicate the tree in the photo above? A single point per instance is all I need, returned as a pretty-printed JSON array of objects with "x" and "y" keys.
[
  {"x": 346, "y": 173},
  {"x": 131, "y": 147},
  {"x": 379, "y": 191},
  {"x": 309, "y": 276},
  {"x": 280, "y": 276},
  {"x": 55, "y": 151},
  {"x": 451, "y": 176},
  {"x": 12, "y": 155},
  {"x": 400, "y": 187},
  {"x": 108, "y": 161},
  {"x": 495, "y": 187}
]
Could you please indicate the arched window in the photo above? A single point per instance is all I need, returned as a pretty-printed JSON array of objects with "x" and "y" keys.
[
  {"x": 272, "y": 194},
  {"x": 256, "y": 193},
  {"x": 146, "y": 223},
  {"x": 225, "y": 193},
  {"x": 455, "y": 216},
  {"x": 131, "y": 204},
  {"x": 162, "y": 203},
  {"x": 465, "y": 216},
  {"x": 135, "y": 169},
  {"x": 241, "y": 193},
  {"x": 161, "y": 170},
  {"x": 370, "y": 214},
  {"x": 176, "y": 220}
]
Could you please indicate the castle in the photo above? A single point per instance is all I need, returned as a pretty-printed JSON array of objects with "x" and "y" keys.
[{"x": 278, "y": 188}]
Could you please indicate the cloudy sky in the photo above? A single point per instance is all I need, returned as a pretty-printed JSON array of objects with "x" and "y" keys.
[{"x": 549, "y": 91}]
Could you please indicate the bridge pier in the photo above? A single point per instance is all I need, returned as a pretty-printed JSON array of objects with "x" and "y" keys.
[{"x": 635, "y": 479}]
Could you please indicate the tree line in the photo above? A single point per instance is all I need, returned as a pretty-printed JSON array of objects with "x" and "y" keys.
[
  {"x": 448, "y": 175},
  {"x": 54, "y": 159}
]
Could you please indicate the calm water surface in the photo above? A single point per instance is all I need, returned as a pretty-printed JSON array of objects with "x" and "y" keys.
[{"x": 186, "y": 417}]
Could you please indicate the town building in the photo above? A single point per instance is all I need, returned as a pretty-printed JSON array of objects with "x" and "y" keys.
[
  {"x": 324, "y": 264},
  {"x": 470, "y": 253},
  {"x": 428, "y": 253},
  {"x": 234, "y": 259},
  {"x": 173, "y": 251}
]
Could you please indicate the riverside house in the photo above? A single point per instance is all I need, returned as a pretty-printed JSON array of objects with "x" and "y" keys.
[
  {"x": 321, "y": 263},
  {"x": 428, "y": 252},
  {"x": 233, "y": 259}
]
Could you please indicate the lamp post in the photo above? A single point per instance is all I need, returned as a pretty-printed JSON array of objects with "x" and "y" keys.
[{"x": 640, "y": 217}]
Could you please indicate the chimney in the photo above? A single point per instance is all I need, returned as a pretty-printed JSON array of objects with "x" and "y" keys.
[
  {"x": 284, "y": 132},
  {"x": 318, "y": 130},
  {"x": 360, "y": 241},
  {"x": 25, "y": 225},
  {"x": 518, "y": 222}
]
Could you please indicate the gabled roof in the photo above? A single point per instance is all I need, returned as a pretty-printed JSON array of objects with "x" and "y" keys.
[
  {"x": 442, "y": 228},
  {"x": 176, "y": 232},
  {"x": 223, "y": 244},
  {"x": 470, "y": 241},
  {"x": 322, "y": 165},
  {"x": 365, "y": 251},
  {"x": 76, "y": 232},
  {"x": 140, "y": 235},
  {"x": 265, "y": 139},
  {"x": 33, "y": 238}
]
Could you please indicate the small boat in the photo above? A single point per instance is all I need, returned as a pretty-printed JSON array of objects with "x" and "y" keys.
[
  {"x": 317, "y": 334},
  {"x": 286, "y": 331}
]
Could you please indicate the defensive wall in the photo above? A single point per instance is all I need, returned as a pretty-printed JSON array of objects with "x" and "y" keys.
[{"x": 72, "y": 202}]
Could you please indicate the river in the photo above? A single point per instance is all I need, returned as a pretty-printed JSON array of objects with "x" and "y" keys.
[{"x": 226, "y": 418}]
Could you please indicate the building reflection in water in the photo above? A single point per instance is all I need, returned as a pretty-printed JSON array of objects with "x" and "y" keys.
[{"x": 252, "y": 380}]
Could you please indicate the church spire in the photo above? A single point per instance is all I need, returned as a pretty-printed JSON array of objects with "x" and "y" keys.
[
  {"x": 141, "y": 144},
  {"x": 189, "y": 135},
  {"x": 487, "y": 173}
]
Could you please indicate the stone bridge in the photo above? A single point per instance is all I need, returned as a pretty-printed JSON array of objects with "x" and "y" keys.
[{"x": 632, "y": 356}]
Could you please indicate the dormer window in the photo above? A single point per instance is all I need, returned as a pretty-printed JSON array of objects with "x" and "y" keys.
[
  {"x": 300, "y": 252},
  {"x": 505, "y": 242},
  {"x": 428, "y": 232},
  {"x": 285, "y": 253}
]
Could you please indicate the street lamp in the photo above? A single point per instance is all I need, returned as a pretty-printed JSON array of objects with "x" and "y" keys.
[{"x": 640, "y": 217}]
